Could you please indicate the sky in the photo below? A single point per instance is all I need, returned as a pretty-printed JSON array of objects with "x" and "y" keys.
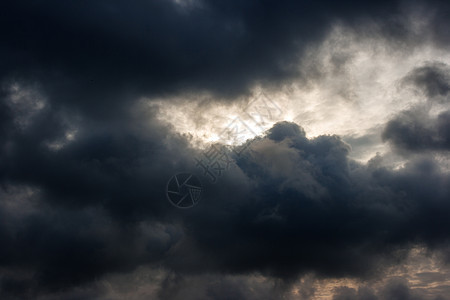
[{"x": 205, "y": 149}]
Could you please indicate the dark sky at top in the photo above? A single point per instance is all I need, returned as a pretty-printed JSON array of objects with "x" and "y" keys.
[{"x": 94, "y": 205}]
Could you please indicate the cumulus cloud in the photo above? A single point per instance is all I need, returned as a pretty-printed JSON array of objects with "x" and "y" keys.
[
  {"x": 321, "y": 212},
  {"x": 85, "y": 155},
  {"x": 421, "y": 128},
  {"x": 433, "y": 80},
  {"x": 416, "y": 130}
]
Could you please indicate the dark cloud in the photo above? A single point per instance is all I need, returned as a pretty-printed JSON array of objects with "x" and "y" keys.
[
  {"x": 433, "y": 79},
  {"x": 299, "y": 205},
  {"x": 346, "y": 293},
  {"x": 108, "y": 53},
  {"x": 419, "y": 129},
  {"x": 415, "y": 130},
  {"x": 392, "y": 290},
  {"x": 219, "y": 287},
  {"x": 310, "y": 195},
  {"x": 84, "y": 164}
]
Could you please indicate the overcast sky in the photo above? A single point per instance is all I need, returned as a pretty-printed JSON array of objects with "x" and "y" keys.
[{"x": 251, "y": 149}]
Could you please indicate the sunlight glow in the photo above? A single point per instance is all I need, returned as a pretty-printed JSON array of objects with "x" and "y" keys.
[{"x": 353, "y": 98}]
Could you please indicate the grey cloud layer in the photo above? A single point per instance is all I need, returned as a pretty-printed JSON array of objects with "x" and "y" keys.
[
  {"x": 73, "y": 210},
  {"x": 298, "y": 205},
  {"x": 108, "y": 52}
]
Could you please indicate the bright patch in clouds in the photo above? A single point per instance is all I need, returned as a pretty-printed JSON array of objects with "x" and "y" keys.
[{"x": 358, "y": 85}]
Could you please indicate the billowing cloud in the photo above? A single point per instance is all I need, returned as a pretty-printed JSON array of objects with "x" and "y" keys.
[
  {"x": 102, "y": 103},
  {"x": 424, "y": 127}
]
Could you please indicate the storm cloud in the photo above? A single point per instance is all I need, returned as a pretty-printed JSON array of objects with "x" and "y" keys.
[{"x": 85, "y": 156}]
